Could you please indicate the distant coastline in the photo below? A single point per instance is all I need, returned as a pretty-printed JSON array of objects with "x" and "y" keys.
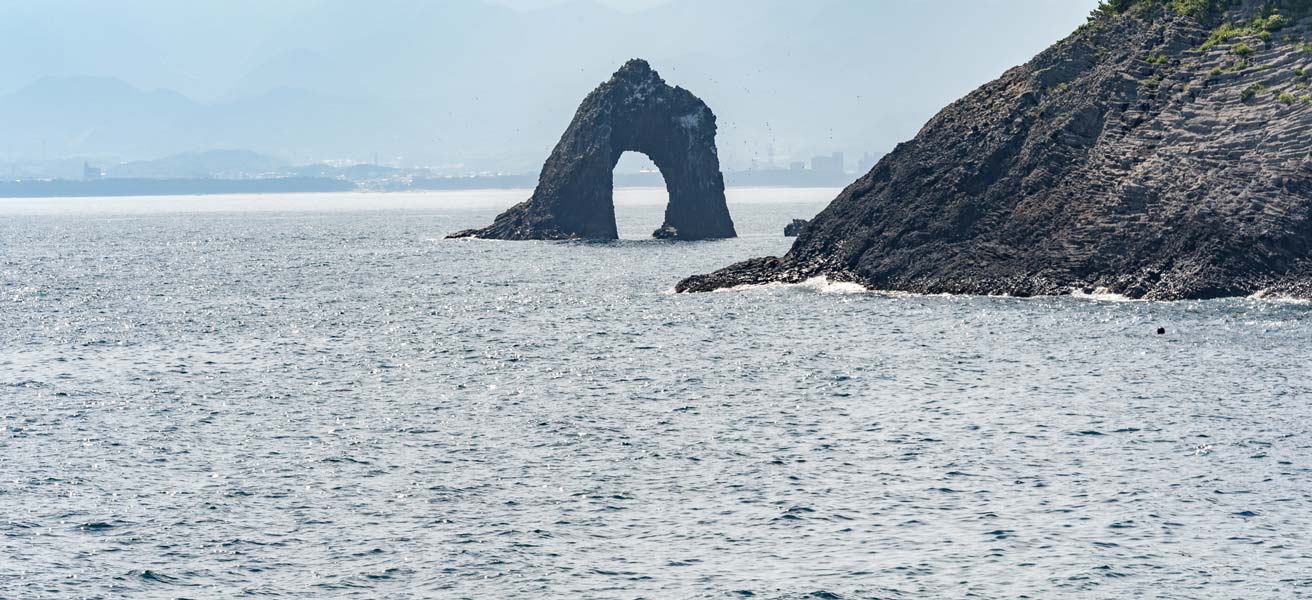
[{"x": 116, "y": 187}]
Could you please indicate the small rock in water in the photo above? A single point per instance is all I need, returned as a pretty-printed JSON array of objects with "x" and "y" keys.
[
  {"x": 665, "y": 233},
  {"x": 1161, "y": 331},
  {"x": 794, "y": 228}
]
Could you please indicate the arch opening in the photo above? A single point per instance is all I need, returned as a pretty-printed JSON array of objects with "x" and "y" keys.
[{"x": 640, "y": 195}]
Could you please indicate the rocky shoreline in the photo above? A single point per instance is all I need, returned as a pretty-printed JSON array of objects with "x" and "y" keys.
[{"x": 1151, "y": 154}]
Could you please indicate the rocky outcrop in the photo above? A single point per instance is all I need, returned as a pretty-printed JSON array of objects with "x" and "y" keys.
[
  {"x": 666, "y": 233},
  {"x": 634, "y": 111},
  {"x": 795, "y": 228},
  {"x": 1152, "y": 154}
]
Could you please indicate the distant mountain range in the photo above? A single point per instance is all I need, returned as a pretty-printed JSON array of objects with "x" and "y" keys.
[
  {"x": 96, "y": 116},
  {"x": 468, "y": 86}
]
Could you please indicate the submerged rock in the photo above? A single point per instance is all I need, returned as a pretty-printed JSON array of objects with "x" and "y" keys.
[
  {"x": 636, "y": 110},
  {"x": 794, "y": 228},
  {"x": 1153, "y": 154}
]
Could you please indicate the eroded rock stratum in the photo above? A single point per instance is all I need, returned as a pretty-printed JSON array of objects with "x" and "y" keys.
[
  {"x": 1163, "y": 151},
  {"x": 634, "y": 111}
]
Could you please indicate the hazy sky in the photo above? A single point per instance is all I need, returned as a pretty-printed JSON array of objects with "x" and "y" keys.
[
  {"x": 488, "y": 85},
  {"x": 624, "y": 5}
]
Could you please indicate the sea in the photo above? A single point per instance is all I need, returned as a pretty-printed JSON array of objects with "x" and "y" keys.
[{"x": 317, "y": 396}]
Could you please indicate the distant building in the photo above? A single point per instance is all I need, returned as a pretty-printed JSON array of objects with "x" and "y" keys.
[
  {"x": 89, "y": 172},
  {"x": 797, "y": 165},
  {"x": 867, "y": 162},
  {"x": 828, "y": 164}
]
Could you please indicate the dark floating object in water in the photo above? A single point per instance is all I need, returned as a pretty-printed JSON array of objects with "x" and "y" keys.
[
  {"x": 1161, "y": 331},
  {"x": 636, "y": 110},
  {"x": 794, "y": 228}
]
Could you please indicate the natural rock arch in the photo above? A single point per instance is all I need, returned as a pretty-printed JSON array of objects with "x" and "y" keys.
[{"x": 634, "y": 111}]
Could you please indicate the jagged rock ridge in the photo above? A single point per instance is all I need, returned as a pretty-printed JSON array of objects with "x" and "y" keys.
[
  {"x": 634, "y": 111},
  {"x": 1148, "y": 154}
]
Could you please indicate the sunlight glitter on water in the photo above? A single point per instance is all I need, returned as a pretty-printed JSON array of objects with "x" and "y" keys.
[{"x": 391, "y": 414}]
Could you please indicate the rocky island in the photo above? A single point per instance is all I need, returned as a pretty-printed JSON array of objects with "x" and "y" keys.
[
  {"x": 1162, "y": 151},
  {"x": 634, "y": 111}
]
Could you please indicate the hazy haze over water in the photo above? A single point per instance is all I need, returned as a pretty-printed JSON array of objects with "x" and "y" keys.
[{"x": 470, "y": 85}]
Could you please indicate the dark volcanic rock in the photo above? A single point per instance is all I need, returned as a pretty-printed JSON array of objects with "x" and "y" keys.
[
  {"x": 636, "y": 110},
  {"x": 794, "y": 228},
  {"x": 1133, "y": 156},
  {"x": 666, "y": 233}
]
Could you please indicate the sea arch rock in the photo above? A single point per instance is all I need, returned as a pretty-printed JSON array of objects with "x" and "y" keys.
[{"x": 634, "y": 111}]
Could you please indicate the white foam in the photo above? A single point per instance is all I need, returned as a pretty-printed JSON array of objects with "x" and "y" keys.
[
  {"x": 824, "y": 285},
  {"x": 1280, "y": 297},
  {"x": 1103, "y": 294},
  {"x": 819, "y": 284}
]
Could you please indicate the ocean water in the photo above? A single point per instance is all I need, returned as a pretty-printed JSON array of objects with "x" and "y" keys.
[{"x": 319, "y": 397}]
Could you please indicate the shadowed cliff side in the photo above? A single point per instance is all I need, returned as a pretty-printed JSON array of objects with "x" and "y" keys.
[
  {"x": 1161, "y": 151},
  {"x": 636, "y": 110}
]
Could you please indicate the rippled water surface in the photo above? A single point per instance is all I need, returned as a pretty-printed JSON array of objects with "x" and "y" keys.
[{"x": 318, "y": 397}]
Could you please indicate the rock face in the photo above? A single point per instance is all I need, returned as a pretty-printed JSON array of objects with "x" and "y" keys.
[
  {"x": 1152, "y": 154},
  {"x": 636, "y": 110},
  {"x": 794, "y": 228}
]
